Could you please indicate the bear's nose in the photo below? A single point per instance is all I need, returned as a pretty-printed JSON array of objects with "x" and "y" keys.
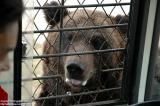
[{"x": 74, "y": 70}]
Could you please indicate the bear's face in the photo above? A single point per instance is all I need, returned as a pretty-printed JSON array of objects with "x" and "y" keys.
[{"x": 78, "y": 68}]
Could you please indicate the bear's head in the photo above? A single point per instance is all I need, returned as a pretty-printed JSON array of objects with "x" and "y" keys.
[{"x": 82, "y": 68}]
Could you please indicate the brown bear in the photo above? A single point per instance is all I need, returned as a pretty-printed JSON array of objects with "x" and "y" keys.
[{"x": 77, "y": 74}]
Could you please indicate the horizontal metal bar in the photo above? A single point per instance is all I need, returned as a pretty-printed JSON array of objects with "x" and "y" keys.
[
  {"x": 79, "y": 6},
  {"x": 41, "y": 78},
  {"x": 31, "y": 79},
  {"x": 53, "y": 76},
  {"x": 47, "y": 77},
  {"x": 114, "y": 69},
  {"x": 58, "y": 76},
  {"x": 74, "y": 29},
  {"x": 75, "y": 53},
  {"x": 104, "y": 103},
  {"x": 76, "y": 94}
]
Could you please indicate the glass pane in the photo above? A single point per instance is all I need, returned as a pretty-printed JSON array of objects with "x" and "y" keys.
[
  {"x": 155, "y": 86},
  {"x": 153, "y": 82}
]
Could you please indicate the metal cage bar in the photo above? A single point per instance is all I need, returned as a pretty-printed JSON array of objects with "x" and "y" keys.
[
  {"x": 78, "y": 94},
  {"x": 17, "y": 67},
  {"x": 73, "y": 29},
  {"x": 77, "y": 53},
  {"x": 80, "y": 6}
]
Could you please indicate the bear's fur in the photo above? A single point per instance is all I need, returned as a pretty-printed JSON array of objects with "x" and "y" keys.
[{"x": 81, "y": 73}]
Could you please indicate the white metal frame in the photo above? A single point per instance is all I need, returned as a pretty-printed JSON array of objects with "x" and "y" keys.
[{"x": 147, "y": 49}]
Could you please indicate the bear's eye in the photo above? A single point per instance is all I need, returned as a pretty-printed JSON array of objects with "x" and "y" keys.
[
  {"x": 70, "y": 36},
  {"x": 99, "y": 43}
]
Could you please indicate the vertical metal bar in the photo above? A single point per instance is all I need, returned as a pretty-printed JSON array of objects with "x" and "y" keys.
[
  {"x": 129, "y": 53},
  {"x": 137, "y": 29},
  {"x": 61, "y": 24},
  {"x": 60, "y": 45},
  {"x": 17, "y": 67},
  {"x": 147, "y": 49}
]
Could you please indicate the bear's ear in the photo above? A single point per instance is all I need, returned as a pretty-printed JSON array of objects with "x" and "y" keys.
[
  {"x": 121, "y": 19},
  {"x": 52, "y": 15}
]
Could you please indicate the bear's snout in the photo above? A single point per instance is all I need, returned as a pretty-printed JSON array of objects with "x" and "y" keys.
[{"x": 75, "y": 71}]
